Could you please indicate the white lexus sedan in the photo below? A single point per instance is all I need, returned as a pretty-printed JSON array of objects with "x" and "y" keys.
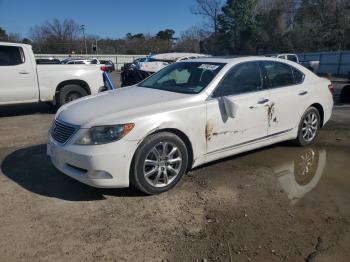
[{"x": 187, "y": 114}]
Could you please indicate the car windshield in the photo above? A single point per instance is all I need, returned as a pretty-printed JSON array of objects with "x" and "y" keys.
[{"x": 184, "y": 77}]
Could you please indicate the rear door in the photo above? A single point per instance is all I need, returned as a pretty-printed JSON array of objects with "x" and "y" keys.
[
  {"x": 243, "y": 87},
  {"x": 288, "y": 96},
  {"x": 17, "y": 77}
]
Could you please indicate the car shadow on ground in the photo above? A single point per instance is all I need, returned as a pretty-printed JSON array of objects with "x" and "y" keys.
[
  {"x": 31, "y": 168},
  {"x": 27, "y": 109}
]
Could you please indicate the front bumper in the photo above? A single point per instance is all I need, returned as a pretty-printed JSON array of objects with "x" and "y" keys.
[{"x": 110, "y": 162}]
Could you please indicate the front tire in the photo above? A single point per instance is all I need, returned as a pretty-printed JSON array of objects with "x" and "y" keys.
[
  {"x": 159, "y": 163},
  {"x": 308, "y": 128}
]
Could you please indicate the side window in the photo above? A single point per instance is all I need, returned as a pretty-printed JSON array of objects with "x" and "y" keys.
[
  {"x": 11, "y": 55},
  {"x": 278, "y": 74},
  {"x": 242, "y": 78},
  {"x": 298, "y": 76}
]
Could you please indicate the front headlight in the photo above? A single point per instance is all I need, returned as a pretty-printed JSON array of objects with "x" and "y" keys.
[{"x": 99, "y": 135}]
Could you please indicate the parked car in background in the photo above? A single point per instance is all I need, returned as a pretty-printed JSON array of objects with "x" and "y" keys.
[
  {"x": 187, "y": 114},
  {"x": 311, "y": 65},
  {"x": 144, "y": 67},
  {"x": 290, "y": 57},
  {"x": 109, "y": 65},
  {"x": 47, "y": 61},
  {"x": 128, "y": 66},
  {"x": 79, "y": 61},
  {"x": 22, "y": 80}
]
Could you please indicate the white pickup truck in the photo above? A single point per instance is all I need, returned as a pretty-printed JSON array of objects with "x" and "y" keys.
[{"x": 23, "y": 81}]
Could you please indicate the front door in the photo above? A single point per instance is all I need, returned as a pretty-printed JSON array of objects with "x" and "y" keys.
[
  {"x": 242, "y": 86},
  {"x": 17, "y": 76}
]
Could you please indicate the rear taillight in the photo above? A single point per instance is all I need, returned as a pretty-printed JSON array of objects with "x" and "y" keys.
[
  {"x": 331, "y": 88},
  {"x": 104, "y": 68}
]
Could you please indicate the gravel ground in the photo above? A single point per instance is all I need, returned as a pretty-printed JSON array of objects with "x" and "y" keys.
[{"x": 280, "y": 203}]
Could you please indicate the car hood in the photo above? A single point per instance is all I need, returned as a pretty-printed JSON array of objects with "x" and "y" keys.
[{"x": 110, "y": 107}]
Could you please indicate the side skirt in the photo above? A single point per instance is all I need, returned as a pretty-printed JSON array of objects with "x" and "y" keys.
[
  {"x": 249, "y": 142},
  {"x": 246, "y": 146}
]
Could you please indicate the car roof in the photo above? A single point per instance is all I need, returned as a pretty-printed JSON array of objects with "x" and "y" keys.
[
  {"x": 230, "y": 61},
  {"x": 235, "y": 59}
]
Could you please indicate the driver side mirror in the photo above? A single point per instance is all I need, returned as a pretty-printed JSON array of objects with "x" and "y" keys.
[{"x": 230, "y": 107}]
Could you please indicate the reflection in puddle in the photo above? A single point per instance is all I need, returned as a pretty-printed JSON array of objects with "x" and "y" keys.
[{"x": 298, "y": 170}]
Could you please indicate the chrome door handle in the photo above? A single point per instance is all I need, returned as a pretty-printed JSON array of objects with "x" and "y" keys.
[
  {"x": 23, "y": 72},
  {"x": 263, "y": 101},
  {"x": 302, "y": 93}
]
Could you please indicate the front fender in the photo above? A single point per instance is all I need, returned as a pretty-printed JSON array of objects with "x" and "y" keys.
[{"x": 190, "y": 122}]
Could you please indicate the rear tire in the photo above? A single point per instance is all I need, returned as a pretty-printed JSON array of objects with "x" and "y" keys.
[
  {"x": 70, "y": 93},
  {"x": 345, "y": 95},
  {"x": 308, "y": 128},
  {"x": 159, "y": 163}
]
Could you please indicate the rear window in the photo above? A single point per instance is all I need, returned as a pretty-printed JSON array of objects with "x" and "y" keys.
[
  {"x": 278, "y": 74},
  {"x": 11, "y": 55}
]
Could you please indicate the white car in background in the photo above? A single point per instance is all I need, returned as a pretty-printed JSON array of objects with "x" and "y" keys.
[
  {"x": 188, "y": 114},
  {"x": 154, "y": 63},
  {"x": 22, "y": 80},
  {"x": 314, "y": 66},
  {"x": 80, "y": 61}
]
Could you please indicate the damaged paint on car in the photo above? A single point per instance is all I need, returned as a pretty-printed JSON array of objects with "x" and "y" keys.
[
  {"x": 209, "y": 131},
  {"x": 270, "y": 113}
]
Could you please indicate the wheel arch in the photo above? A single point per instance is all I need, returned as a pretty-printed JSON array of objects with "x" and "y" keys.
[
  {"x": 320, "y": 109},
  {"x": 78, "y": 82},
  {"x": 181, "y": 135}
]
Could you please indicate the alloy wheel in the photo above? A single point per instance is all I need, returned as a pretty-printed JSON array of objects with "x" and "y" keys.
[
  {"x": 310, "y": 126},
  {"x": 162, "y": 164}
]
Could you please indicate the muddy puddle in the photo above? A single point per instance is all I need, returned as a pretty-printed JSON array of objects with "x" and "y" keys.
[
  {"x": 297, "y": 171},
  {"x": 300, "y": 170},
  {"x": 281, "y": 203}
]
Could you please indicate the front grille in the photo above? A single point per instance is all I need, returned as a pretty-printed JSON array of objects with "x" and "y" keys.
[{"x": 62, "y": 132}]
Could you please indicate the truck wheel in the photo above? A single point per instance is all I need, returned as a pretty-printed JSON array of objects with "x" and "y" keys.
[
  {"x": 345, "y": 94},
  {"x": 69, "y": 93},
  {"x": 159, "y": 163},
  {"x": 308, "y": 127}
]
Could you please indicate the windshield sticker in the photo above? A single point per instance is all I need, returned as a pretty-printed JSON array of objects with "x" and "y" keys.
[{"x": 208, "y": 67}]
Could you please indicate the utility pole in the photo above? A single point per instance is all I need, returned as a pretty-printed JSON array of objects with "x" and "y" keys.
[
  {"x": 82, "y": 28},
  {"x": 96, "y": 49}
]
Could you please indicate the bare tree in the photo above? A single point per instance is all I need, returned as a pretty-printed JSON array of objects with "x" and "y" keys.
[
  {"x": 15, "y": 37},
  {"x": 57, "y": 36},
  {"x": 189, "y": 40},
  {"x": 209, "y": 9}
]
